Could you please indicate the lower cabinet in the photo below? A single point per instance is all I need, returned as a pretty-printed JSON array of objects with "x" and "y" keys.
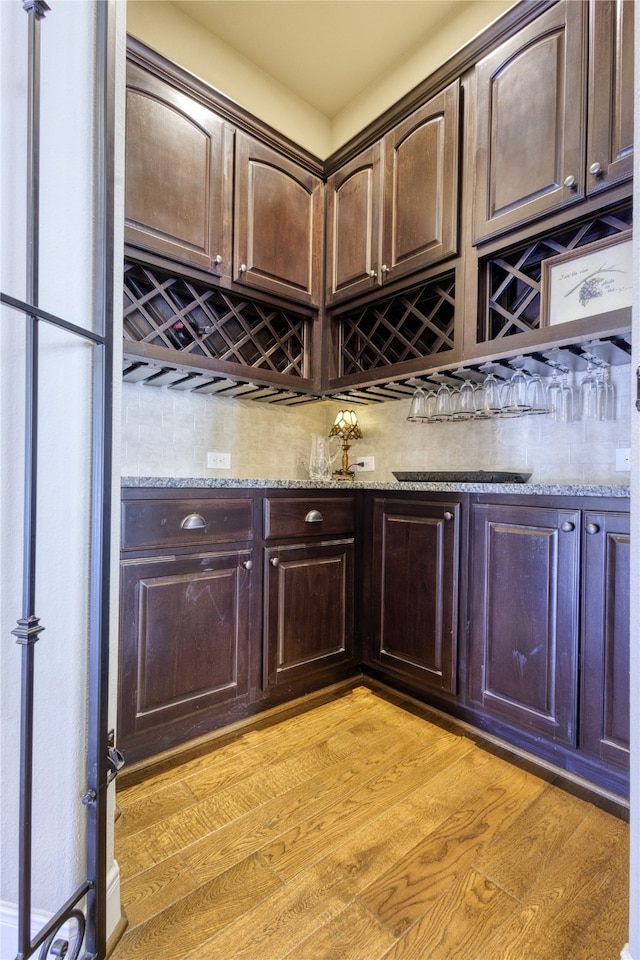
[
  {"x": 308, "y": 625},
  {"x": 523, "y": 614},
  {"x": 184, "y": 646},
  {"x": 511, "y": 613},
  {"x": 604, "y": 725},
  {"x": 549, "y": 618},
  {"x": 414, "y": 595},
  {"x": 309, "y": 589}
]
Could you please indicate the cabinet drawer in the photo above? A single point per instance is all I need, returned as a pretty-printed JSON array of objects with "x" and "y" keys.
[
  {"x": 308, "y": 516},
  {"x": 185, "y": 522}
]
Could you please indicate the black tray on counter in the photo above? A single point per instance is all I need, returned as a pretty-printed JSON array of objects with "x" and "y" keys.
[{"x": 460, "y": 476}]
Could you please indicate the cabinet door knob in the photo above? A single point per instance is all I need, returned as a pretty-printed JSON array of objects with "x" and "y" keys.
[
  {"x": 217, "y": 260},
  {"x": 274, "y": 561},
  {"x": 193, "y": 521},
  {"x": 314, "y": 516},
  {"x": 596, "y": 169},
  {"x": 571, "y": 182},
  {"x": 448, "y": 515},
  {"x": 247, "y": 564},
  {"x": 592, "y": 528},
  {"x": 384, "y": 268},
  {"x": 243, "y": 268},
  {"x": 567, "y": 526}
]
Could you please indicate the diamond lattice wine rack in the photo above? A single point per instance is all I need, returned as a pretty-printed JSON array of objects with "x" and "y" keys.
[{"x": 510, "y": 281}]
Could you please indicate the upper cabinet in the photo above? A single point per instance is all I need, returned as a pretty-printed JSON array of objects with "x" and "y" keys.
[
  {"x": 530, "y": 137},
  {"x": 278, "y": 223},
  {"x": 393, "y": 209},
  {"x": 610, "y": 123},
  {"x": 200, "y": 191},
  {"x": 541, "y": 142},
  {"x": 179, "y": 158}
]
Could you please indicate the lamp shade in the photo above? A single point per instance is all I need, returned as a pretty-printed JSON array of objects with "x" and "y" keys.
[{"x": 346, "y": 426}]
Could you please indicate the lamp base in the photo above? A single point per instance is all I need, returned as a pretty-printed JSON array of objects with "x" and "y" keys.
[{"x": 342, "y": 475}]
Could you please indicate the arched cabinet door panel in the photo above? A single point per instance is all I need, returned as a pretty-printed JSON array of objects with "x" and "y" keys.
[
  {"x": 611, "y": 86},
  {"x": 178, "y": 175},
  {"x": 421, "y": 187},
  {"x": 531, "y": 120},
  {"x": 353, "y": 226},
  {"x": 278, "y": 223}
]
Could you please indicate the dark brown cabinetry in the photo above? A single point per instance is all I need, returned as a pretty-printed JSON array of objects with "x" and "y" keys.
[
  {"x": 604, "y": 726},
  {"x": 393, "y": 210},
  {"x": 611, "y": 86},
  {"x": 278, "y": 221},
  {"x": 309, "y": 587},
  {"x": 414, "y": 593},
  {"x": 523, "y": 612},
  {"x": 536, "y": 151},
  {"x": 179, "y": 157},
  {"x": 194, "y": 181},
  {"x": 186, "y": 618}
]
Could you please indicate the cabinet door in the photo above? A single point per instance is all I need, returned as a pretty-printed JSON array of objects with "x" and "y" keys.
[
  {"x": 531, "y": 122},
  {"x": 611, "y": 86},
  {"x": 353, "y": 226},
  {"x": 415, "y": 590},
  {"x": 524, "y": 616},
  {"x": 604, "y": 729},
  {"x": 309, "y": 608},
  {"x": 184, "y": 645},
  {"x": 421, "y": 187},
  {"x": 178, "y": 176},
  {"x": 278, "y": 223}
]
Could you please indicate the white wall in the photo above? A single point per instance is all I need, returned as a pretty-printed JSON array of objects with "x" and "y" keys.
[
  {"x": 64, "y": 448},
  {"x": 633, "y": 952}
]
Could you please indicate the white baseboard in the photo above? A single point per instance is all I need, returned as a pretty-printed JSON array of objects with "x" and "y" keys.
[
  {"x": 9, "y": 928},
  {"x": 626, "y": 953},
  {"x": 9, "y": 917}
]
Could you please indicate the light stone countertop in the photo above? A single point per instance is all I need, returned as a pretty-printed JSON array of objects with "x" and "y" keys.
[{"x": 394, "y": 486}]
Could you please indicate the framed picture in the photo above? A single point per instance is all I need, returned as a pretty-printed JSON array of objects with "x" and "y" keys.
[{"x": 586, "y": 282}]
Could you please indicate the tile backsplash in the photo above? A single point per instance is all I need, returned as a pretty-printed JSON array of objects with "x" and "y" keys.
[{"x": 169, "y": 433}]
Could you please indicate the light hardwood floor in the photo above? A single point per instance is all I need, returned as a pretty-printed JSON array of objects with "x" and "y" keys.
[{"x": 360, "y": 830}]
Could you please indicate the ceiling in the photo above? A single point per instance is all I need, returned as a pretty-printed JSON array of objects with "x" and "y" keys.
[{"x": 326, "y": 51}]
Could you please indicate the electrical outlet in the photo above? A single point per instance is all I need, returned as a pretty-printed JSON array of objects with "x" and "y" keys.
[
  {"x": 364, "y": 463},
  {"x": 623, "y": 458},
  {"x": 219, "y": 461}
]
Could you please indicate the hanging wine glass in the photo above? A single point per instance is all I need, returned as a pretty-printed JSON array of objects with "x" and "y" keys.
[
  {"x": 491, "y": 402},
  {"x": 515, "y": 395},
  {"x": 606, "y": 399},
  {"x": 589, "y": 394},
  {"x": 537, "y": 399}
]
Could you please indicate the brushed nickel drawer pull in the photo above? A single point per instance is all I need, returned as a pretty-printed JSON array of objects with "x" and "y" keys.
[
  {"x": 314, "y": 516},
  {"x": 193, "y": 522}
]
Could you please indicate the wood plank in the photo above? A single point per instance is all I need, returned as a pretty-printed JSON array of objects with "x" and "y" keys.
[
  {"x": 463, "y": 834},
  {"x": 560, "y": 904},
  {"x": 472, "y": 907},
  {"x": 201, "y": 820},
  {"x": 352, "y": 935},
  {"x": 252, "y": 832},
  {"x": 528, "y": 847},
  {"x": 405, "y": 892},
  {"x": 296, "y": 849},
  {"x": 156, "y": 889},
  {"x": 193, "y": 919}
]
